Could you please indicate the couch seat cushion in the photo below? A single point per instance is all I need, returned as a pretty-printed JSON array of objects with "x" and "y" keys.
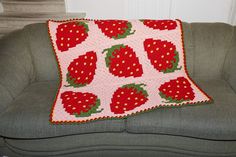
[
  {"x": 210, "y": 121},
  {"x": 28, "y": 116}
]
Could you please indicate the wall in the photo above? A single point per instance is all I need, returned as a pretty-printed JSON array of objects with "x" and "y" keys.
[{"x": 187, "y": 10}]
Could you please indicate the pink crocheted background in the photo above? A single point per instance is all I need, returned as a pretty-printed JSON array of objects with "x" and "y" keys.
[{"x": 104, "y": 83}]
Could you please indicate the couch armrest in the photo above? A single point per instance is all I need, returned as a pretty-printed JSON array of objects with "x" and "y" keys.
[
  {"x": 16, "y": 67},
  {"x": 229, "y": 69}
]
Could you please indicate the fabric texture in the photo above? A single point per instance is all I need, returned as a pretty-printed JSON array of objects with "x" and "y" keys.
[
  {"x": 29, "y": 114},
  {"x": 153, "y": 144},
  {"x": 117, "y": 68}
]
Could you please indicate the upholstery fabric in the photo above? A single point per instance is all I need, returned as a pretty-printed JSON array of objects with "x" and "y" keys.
[
  {"x": 42, "y": 52},
  {"x": 28, "y": 116},
  {"x": 16, "y": 67},
  {"x": 229, "y": 72},
  {"x": 123, "y": 142},
  {"x": 211, "y": 121},
  {"x": 211, "y": 42}
]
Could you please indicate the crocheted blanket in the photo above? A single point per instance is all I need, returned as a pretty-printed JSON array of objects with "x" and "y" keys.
[{"x": 117, "y": 68}]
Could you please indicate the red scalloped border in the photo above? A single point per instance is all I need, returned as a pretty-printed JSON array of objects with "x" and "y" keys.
[{"x": 131, "y": 114}]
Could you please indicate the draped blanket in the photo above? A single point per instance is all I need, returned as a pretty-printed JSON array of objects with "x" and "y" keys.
[{"x": 117, "y": 68}]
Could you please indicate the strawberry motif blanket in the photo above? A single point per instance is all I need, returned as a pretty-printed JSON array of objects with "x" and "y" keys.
[{"x": 117, "y": 68}]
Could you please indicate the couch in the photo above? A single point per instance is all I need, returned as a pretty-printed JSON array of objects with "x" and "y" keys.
[{"x": 29, "y": 80}]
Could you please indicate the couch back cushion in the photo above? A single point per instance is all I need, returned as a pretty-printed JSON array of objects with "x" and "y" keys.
[{"x": 206, "y": 46}]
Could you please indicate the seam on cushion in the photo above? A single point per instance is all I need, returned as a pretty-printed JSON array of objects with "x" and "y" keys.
[
  {"x": 227, "y": 52},
  {"x": 26, "y": 42}
]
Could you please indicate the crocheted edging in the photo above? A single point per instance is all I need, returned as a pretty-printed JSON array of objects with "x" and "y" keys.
[{"x": 131, "y": 114}]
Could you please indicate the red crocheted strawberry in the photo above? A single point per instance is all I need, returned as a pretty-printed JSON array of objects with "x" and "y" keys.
[
  {"x": 71, "y": 34},
  {"x": 82, "y": 70},
  {"x": 80, "y": 104},
  {"x": 160, "y": 24},
  {"x": 162, "y": 55},
  {"x": 115, "y": 29},
  {"x": 177, "y": 90},
  {"x": 122, "y": 61},
  {"x": 128, "y": 97}
]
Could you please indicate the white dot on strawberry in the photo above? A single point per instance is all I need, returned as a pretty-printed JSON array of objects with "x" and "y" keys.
[
  {"x": 137, "y": 69},
  {"x": 136, "y": 98},
  {"x": 128, "y": 68},
  {"x": 69, "y": 105},
  {"x": 77, "y": 39},
  {"x": 118, "y": 56},
  {"x": 61, "y": 44},
  {"x": 164, "y": 45},
  {"x": 62, "y": 38},
  {"x": 82, "y": 34},
  {"x": 167, "y": 61},
  {"x": 111, "y": 31},
  {"x": 85, "y": 63},
  {"x": 82, "y": 72},
  {"x": 84, "y": 106},
  {"x": 68, "y": 39},
  {"x": 184, "y": 82},
  {"x": 114, "y": 69},
  {"x": 132, "y": 93},
  {"x": 126, "y": 52},
  {"x": 171, "y": 48},
  {"x": 125, "y": 104},
  {"x": 70, "y": 31},
  {"x": 185, "y": 86},
  {"x": 62, "y": 29},
  {"x": 134, "y": 64},
  {"x": 116, "y": 106},
  {"x": 75, "y": 97},
  {"x": 167, "y": 53},
  {"x": 177, "y": 86},
  {"x": 164, "y": 89},
  {"x": 155, "y": 61},
  {"x": 86, "y": 100},
  {"x": 148, "y": 45},
  {"x": 74, "y": 25},
  {"x": 136, "y": 103},
  {"x": 113, "y": 24},
  {"x": 79, "y": 102},
  {"x": 130, "y": 55},
  {"x": 106, "y": 29},
  {"x": 117, "y": 65},
  {"x": 91, "y": 64},
  {"x": 68, "y": 45},
  {"x": 76, "y": 71},
  {"x": 170, "y": 91},
  {"x": 160, "y": 65},
  {"x": 119, "y": 28},
  {"x": 123, "y": 61},
  {"x": 118, "y": 96},
  {"x": 151, "y": 51},
  {"x": 118, "y": 102},
  {"x": 154, "y": 43},
  {"x": 128, "y": 98},
  {"x": 73, "y": 108},
  {"x": 78, "y": 78},
  {"x": 68, "y": 98},
  {"x": 90, "y": 73},
  {"x": 91, "y": 58},
  {"x": 124, "y": 109},
  {"x": 86, "y": 78},
  {"x": 162, "y": 56},
  {"x": 141, "y": 99},
  {"x": 177, "y": 91},
  {"x": 155, "y": 25},
  {"x": 165, "y": 26},
  {"x": 188, "y": 93},
  {"x": 131, "y": 73}
]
